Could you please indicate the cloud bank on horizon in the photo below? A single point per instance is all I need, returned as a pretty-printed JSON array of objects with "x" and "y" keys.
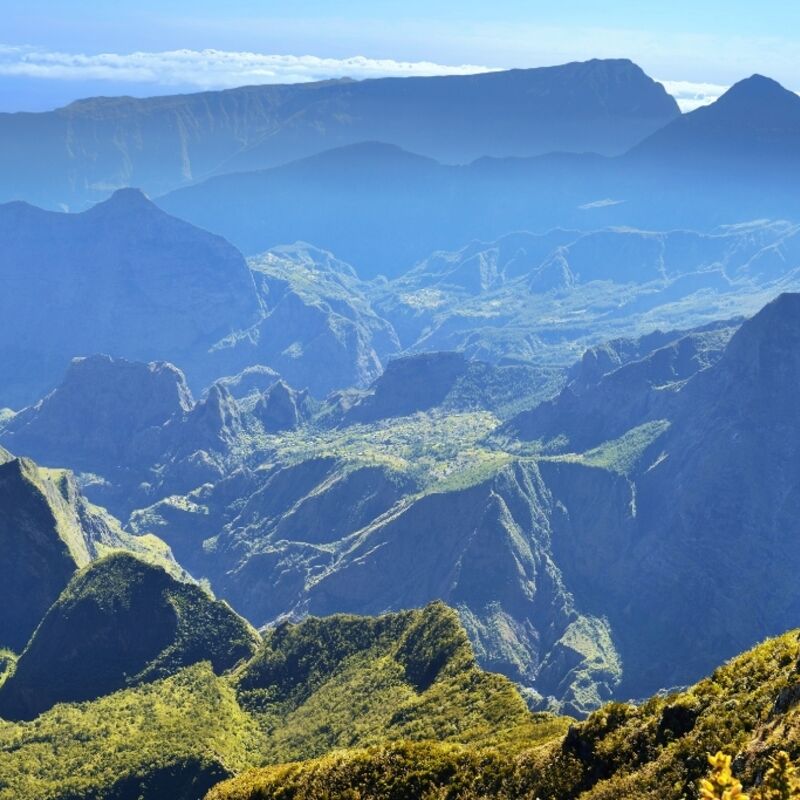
[
  {"x": 218, "y": 69},
  {"x": 210, "y": 69}
]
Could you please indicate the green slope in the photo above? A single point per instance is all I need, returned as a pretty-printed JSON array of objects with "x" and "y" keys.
[
  {"x": 174, "y": 738},
  {"x": 121, "y": 622},
  {"x": 747, "y": 708},
  {"x": 348, "y": 681},
  {"x": 311, "y": 687},
  {"x": 47, "y": 531}
]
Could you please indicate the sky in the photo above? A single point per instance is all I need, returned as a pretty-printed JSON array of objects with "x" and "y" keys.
[{"x": 54, "y": 51}]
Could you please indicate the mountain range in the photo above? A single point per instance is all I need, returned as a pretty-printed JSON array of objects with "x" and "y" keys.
[
  {"x": 79, "y": 154},
  {"x": 182, "y": 295},
  {"x": 383, "y": 208},
  {"x": 475, "y": 434},
  {"x": 553, "y": 531}
]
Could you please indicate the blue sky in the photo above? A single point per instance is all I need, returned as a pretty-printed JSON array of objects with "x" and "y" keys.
[{"x": 699, "y": 42}]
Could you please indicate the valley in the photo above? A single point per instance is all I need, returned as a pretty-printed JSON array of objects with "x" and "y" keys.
[{"x": 345, "y": 457}]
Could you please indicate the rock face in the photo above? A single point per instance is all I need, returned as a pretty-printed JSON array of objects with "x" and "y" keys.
[
  {"x": 281, "y": 408},
  {"x": 118, "y": 623},
  {"x": 162, "y": 143},
  {"x": 445, "y": 381},
  {"x": 323, "y": 537},
  {"x": 48, "y": 531},
  {"x": 319, "y": 330},
  {"x": 712, "y": 465},
  {"x": 103, "y": 414},
  {"x": 613, "y": 391},
  {"x": 122, "y": 278}
]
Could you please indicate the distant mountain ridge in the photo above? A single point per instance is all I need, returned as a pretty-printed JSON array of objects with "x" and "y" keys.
[
  {"x": 383, "y": 210},
  {"x": 78, "y": 154}
]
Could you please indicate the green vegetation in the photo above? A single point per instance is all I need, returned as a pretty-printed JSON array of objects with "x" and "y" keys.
[
  {"x": 8, "y": 662},
  {"x": 174, "y": 738},
  {"x": 121, "y": 622},
  {"x": 321, "y": 684},
  {"x": 349, "y": 681},
  {"x": 400, "y": 771},
  {"x": 749, "y": 708},
  {"x": 432, "y": 447},
  {"x": 622, "y": 455},
  {"x": 48, "y": 530}
]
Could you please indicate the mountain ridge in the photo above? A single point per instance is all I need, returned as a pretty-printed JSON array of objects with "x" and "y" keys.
[{"x": 534, "y": 110}]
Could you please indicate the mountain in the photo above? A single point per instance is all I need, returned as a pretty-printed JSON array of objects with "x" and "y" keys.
[
  {"x": 48, "y": 531},
  {"x": 121, "y": 622},
  {"x": 103, "y": 414},
  {"x": 614, "y": 390},
  {"x": 319, "y": 331},
  {"x": 383, "y": 209},
  {"x": 756, "y": 123},
  {"x": 747, "y": 708},
  {"x": 80, "y": 153},
  {"x": 448, "y": 381},
  {"x": 131, "y": 428},
  {"x": 413, "y": 675},
  {"x": 122, "y": 278},
  {"x": 414, "y": 672},
  {"x": 711, "y": 464},
  {"x": 558, "y": 536},
  {"x": 358, "y": 533},
  {"x": 545, "y": 299}
]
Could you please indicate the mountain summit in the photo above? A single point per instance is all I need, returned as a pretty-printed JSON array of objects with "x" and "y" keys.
[
  {"x": 123, "y": 278},
  {"x": 757, "y": 120}
]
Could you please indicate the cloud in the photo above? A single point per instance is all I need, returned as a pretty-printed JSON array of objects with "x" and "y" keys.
[
  {"x": 222, "y": 69},
  {"x": 209, "y": 69},
  {"x": 693, "y": 95}
]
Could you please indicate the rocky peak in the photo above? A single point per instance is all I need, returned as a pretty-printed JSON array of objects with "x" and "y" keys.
[{"x": 282, "y": 408}]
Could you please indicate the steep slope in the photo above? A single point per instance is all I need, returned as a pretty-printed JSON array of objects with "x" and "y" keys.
[
  {"x": 132, "y": 428},
  {"x": 480, "y": 540},
  {"x": 48, "y": 531},
  {"x": 447, "y": 381},
  {"x": 551, "y": 297},
  {"x": 712, "y": 465},
  {"x": 310, "y": 687},
  {"x": 747, "y": 708},
  {"x": 606, "y": 399},
  {"x": 103, "y": 414},
  {"x": 121, "y": 622},
  {"x": 81, "y": 152},
  {"x": 122, "y": 278},
  {"x": 320, "y": 331},
  {"x": 414, "y": 673},
  {"x": 756, "y": 122}
]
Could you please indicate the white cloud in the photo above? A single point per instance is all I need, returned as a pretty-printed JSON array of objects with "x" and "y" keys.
[
  {"x": 693, "y": 95},
  {"x": 209, "y": 69},
  {"x": 222, "y": 69}
]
